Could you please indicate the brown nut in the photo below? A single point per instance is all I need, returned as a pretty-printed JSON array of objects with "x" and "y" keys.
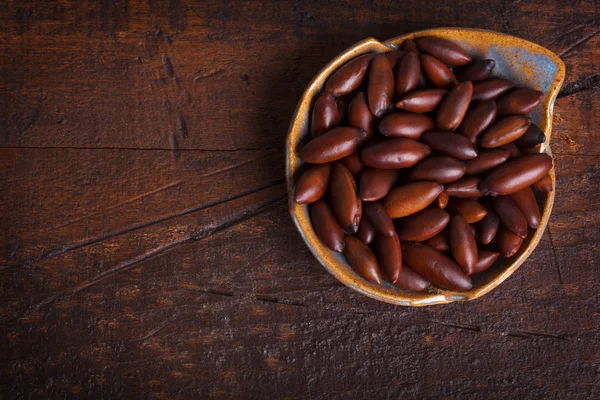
[
  {"x": 435, "y": 70},
  {"x": 312, "y": 184},
  {"x": 444, "y": 50},
  {"x": 544, "y": 184},
  {"x": 423, "y": 225},
  {"x": 531, "y": 138},
  {"x": 510, "y": 216},
  {"x": 394, "y": 56},
  {"x": 411, "y": 198},
  {"x": 462, "y": 244},
  {"x": 403, "y": 124},
  {"x": 326, "y": 226},
  {"x": 380, "y": 91},
  {"x": 465, "y": 188},
  {"x": 362, "y": 259},
  {"x": 519, "y": 101},
  {"x": 512, "y": 149},
  {"x": 505, "y": 131},
  {"x": 359, "y": 115},
  {"x": 441, "y": 169},
  {"x": 408, "y": 73},
  {"x": 409, "y": 45},
  {"x": 325, "y": 114},
  {"x": 454, "y": 107},
  {"x": 366, "y": 232},
  {"x": 354, "y": 164},
  {"x": 508, "y": 242},
  {"x": 450, "y": 144},
  {"x": 394, "y": 153},
  {"x": 486, "y": 160},
  {"x": 525, "y": 200},
  {"x": 442, "y": 200},
  {"x": 516, "y": 174},
  {"x": 439, "y": 242},
  {"x": 471, "y": 210},
  {"x": 485, "y": 260},
  {"x": 475, "y": 71},
  {"x": 477, "y": 120},
  {"x": 422, "y": 101},
  {"x": 490, "y": 89},
  {"x": 346, "y": 205},
  {"x": 376, "y": 183},
  {"x": 410, "y": 280},
  {"x": 487, "y": 228},
  {"x": 379, "y": 218},
  {"x": 435, "y": 267},
  {"x": 349, "y": 76},
  {"x": 332, "y": 145},
  {"x": 389, "y": 256}
]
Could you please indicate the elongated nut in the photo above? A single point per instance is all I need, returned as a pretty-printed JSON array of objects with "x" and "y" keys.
[
  {"x": 487, "y": 228},
  {"x": 471, "y": 210},
  {"x": 366, "y": 233},
  {"x": 325, "y": 114},
  {"x": 525, "y": 200},
  {"x": 465, "y": 188},
  {"x": 477, "y": 120},
  {"x": 531, "y": 138},
  {"x": 491, "y": 89},
  {"x": 410, "y": 280},
  {"x": 326, "y": 226},
  {"x": 376, "y": 183},
  {"x": 411, "y": 198},
  {"x": 444, "y": 50},
  {"x": 437, "y": 72},
  {"x": 362, "y": 259},
  {"x": 441, "y": 169},
  {"x": 381, "y": 85},
  {"x": 516, "y": 174},
  {"x": 389, "y": 255},
  {"x": 349, "y": 76},
  {"x": 312, "y": 184},
  {"x": 394, "y": 153},
  {"x": 462, "y": 244},
  {"x": 359, "y": 115},
  {"x": 332, "y": 145},
  {"x": 485, "y": 260},
  {"x": 519, "y": 101},
  {"x": 544, "y": 184},
  {"x": 454, "y": 107},
  {"x": 403, "y": 124},
  {"x": 510, "y": 216},
  {"x": 422, "y": 101},
  {"x": 505, "y": 131},
  {"x": 450, "y": 144},
  {"x": 475, "y": 71},
  {"x": 508, "y": 242},
  {"x": 408, "y": 73},
  {"x": 423, "y": 225},
  {"x": 379, "y": 218},
  {"x": 345, "y": 202},
  {"x": 486, "y": 160}
]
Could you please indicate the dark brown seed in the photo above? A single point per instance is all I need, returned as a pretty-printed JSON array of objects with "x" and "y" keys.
[
  {"x": 408, "y": 73},
  {"x": 462, "y": 244},
  {"x": 379, "y": 218},
  {"x": 442, "y": 200},
  {"x": 411, "y": 198},
  {"x": 508, "y": 242},
  {"x": 389, "y": 255},
  {"x": 525, "y": 200},
  {"x": 505, "y": 131},
  {"x": 346, "y": 205},
  {"x": 439, "y": 242},
  {"x": 332, "y": 145},
  {"x": 476, "y": 71},
  {"x": 491, "y": 89},
  {"x": 485, "y": 260},
  {"x": 486, "y": 160},
  {"x": 439, "y": 75},
  {"x": 510, "y": 216},
  {"x": 436, "y": 267},
  {"x": 394, "y": 153},
  {"x": 409, "y": 45},
  {"x": 404, "y": 124},
  {"x": 519, "y": 101},
  {"x": 441, "y": 169},
  {"x": 465, "y": 188},
  {"x": 544, "y": 184},
  {"x": 444, "y": 50},
  {"x": 477, "y": 120},
  {"x": 516, "y": 174},
  {"x": 450, "y": 144},
  {"x": 422, "y": 101},
  {"x": 366, "y": 232},
  {"x": 454, "y": 107},
  {"x": 325, "y": 114},
  {"x": 376, "y": 183},
  {"x": 532, "y": 137},
  {"x": 362, "y": 259},
  {"x": 349, "y": 76},
  {"x": 354, "y": 164},
  {"x": 312, "y": 184},
  {"x": 359, "y": 115},
  {"x": 471, "y": 210},
  {"x": 512, "y": 149},
  {"x": 381, "y": 85},
  {"x": 326, "y": 226},
  {"x": 394, "y": 56},
  {"x": 423, "y": 225},
  {"x": 410, "y": 280},
  {"x": 488, "y": 226}
]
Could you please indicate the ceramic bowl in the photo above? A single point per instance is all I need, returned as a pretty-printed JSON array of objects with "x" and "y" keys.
[{"x": 526, "y": 63}]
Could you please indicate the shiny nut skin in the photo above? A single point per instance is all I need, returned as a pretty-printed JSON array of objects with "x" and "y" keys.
[
  {"x": 544, "y": 184},
  {"x": 325, "y": 114},
  {"x": 394, "y": 153},
  {"x": 410, "y": 280},
  {"x": 404, "y": 124},
  {"x": 531, "y": 138},
  {"x": 444, "y": 50},
  {"x": 477, "y": 120},
  {"x": 490, "y": 89},
  {"x": 437, "y": 72},
  {"x": 471, "y": 210},
  {"x": 349, "y": 76},
  {"x": 345, "y": 202},
  {"x": 389, "y": 256},
  {"x": 411, "y": 198},
  {"x": 505, "y": 131},
  {"x": 487, "y": 228},
  {"x": 359, "y": 115},
  {"x": 366, "y": 232},
  {"x": 332, "y": 145},
  {"x": 516, "y": 174},
  {"x": 354, "y": 164},
  {"x": 422, "y": 225},
  {"x": 312, "y": 184},
  {"x": 525, "y": 200},
  {"x": 376, "y": 183},
  {"x": 439, "y": 242},
  {"x": 380, "y": 91},
  {"x": 454, "y": 107},
  {"x": 465, "y": 188},
  {"x": 394, "y": 56},
  {"x": 486, "y": 160},
  {"x": 462, "y": 244},
  {"x": 510, "y": 216},
  {"x": 441, "y": 169},
  {"x": 485, "y": 259},
  {"x": 435, "y": 267},
  {"x": 475, "y": 71},
  {"x": 326, "y": 226},
  {"x": 362, "y": 259},
  {"x": 450, "y": 144},
  {"x": 422, "y": 101},
  {"x": 508, "y": 242},
  {"x": 379, "y": 218},
  {"x": 519, "y": 101},
  {"x": 442, "y": 200},
  {"x": 408, "y": 73}
]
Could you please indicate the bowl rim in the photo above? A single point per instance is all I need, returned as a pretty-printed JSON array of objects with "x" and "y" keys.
[{"x": 331, "y": 260}]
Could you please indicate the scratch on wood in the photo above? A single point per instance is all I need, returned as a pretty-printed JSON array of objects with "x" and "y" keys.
[
  {"x": 181, "y": 127},
  {"x": 473, "y": 328},
  {"x": 578, "y": 43},
  {"x": 208, "y": 74},
  {"x": 591, "y": 82},
  {"x": 554, "y": 256},
  {"x": 530, "y": 334},
  {"x": 575, "y": 28},
  {"x": 230, "y": 167},
  {"x": 250, "y": 296},
  {"x": 157, "y": 329},
  {"x": 168, "y": 67}
]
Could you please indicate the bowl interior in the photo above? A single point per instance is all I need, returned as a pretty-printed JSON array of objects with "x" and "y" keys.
[{"x": 525, "y": 63}]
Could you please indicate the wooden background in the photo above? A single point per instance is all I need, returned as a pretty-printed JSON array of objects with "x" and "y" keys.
[{"x": 146, "y": 250}]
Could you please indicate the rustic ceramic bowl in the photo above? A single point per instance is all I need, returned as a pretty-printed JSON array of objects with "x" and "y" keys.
[{"x": 526, "y": 63}]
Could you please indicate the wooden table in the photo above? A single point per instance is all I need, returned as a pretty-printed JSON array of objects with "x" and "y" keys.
[{"x": 146, "y": 247}]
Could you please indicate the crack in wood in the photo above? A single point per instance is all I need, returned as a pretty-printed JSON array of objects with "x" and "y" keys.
[
  {"x": 578, "y": 43},
  {"x": 472, "y": 328},
  {"x": 250, "y": 296},
  {"x": 157, "y": 329},
  {"x": 532, "y": 334},
  {"x": 591, "y": 82},
  {"x": 575, "y": 28}
]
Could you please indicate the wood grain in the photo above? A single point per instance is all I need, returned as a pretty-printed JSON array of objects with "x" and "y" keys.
[{"x": 145, "y": 245}]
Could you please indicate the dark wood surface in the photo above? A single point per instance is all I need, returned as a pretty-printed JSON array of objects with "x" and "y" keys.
[{"x": 146, "y": 250}]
